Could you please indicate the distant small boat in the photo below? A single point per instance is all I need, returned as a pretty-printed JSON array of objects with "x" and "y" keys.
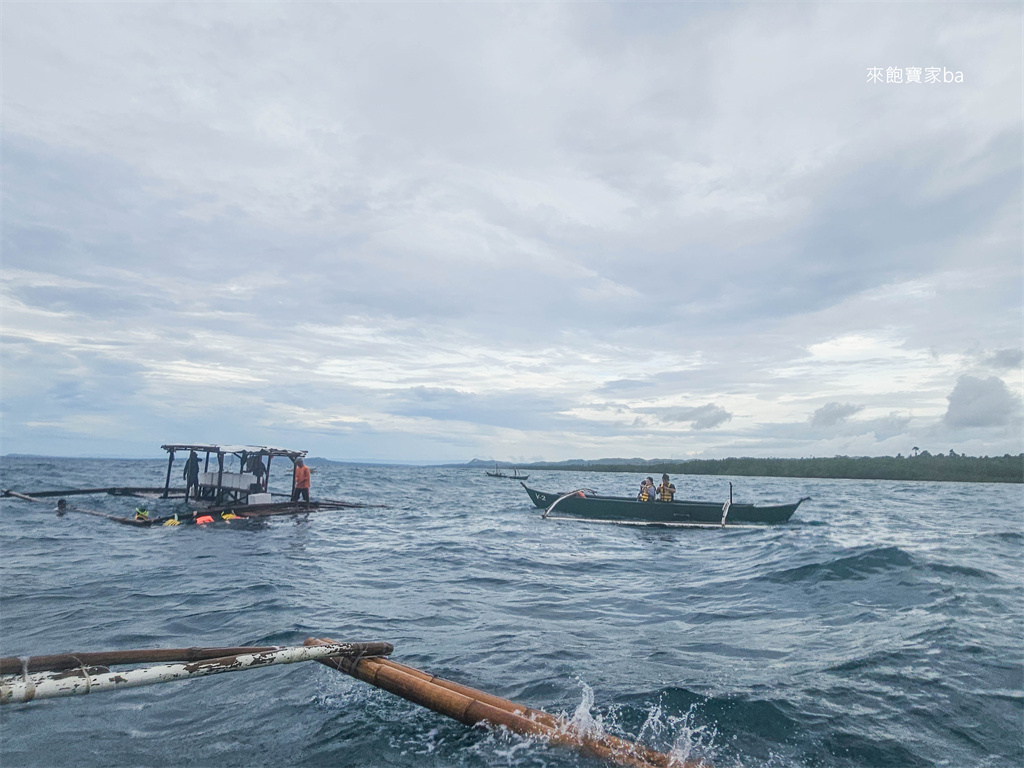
[
  {"x": 514, "y": 476},
  {"x": 587, "y": 505}
]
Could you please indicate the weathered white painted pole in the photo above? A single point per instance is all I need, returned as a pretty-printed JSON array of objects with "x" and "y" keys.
[{"x": 77, "y": 682}]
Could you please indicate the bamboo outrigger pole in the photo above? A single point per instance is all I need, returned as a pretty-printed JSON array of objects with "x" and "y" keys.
[
  {"x": 470, "y": 706},
  {"x": 39, "y": 499},
  {"x": 84, "y": 679},
  {"x": 110, "y": 491},
  {"x": 16, "y": 665},
  {"x": 42, "y": 677}
]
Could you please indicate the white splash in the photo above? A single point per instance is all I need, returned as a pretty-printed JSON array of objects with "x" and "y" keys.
[
  {"x": 583, "y": 720},
  {"x": 690, "y": 742}
]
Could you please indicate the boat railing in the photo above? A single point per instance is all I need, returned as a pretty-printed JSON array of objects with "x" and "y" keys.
[
  {"x": 577, "y": 492},
  {"x": 727, "y": 506}
]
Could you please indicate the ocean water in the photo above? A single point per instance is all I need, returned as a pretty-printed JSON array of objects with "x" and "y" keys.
[{"x": 881, "y": 627}]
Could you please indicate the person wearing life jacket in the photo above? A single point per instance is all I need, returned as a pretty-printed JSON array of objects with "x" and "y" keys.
[
  {"x": 202, "y": 519},
  {"x": 642, "y": 496},
  {"x": 141, "y": 514},
  {"x": 301, "y": 486},
  {"x": 666, "y": 491}
]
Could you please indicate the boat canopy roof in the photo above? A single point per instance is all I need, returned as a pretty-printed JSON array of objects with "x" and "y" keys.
[{"x": 264, "y": 450}]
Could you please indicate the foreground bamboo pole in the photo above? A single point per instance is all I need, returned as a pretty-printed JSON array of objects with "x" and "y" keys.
[
  {"x": 55, "y": 684},
  {"x": 651, "y": 756},
  {"x": 470, "y": 706},
  {"x": 16, "y": 665}
]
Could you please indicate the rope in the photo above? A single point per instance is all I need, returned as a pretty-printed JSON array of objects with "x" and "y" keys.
[
  {"x": 85, "y": 674},
  {"x": 30, "y": 686},
  {"x": 351, "y": 661}
]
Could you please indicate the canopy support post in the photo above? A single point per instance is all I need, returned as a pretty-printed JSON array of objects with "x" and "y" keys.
[
  {"x": 220, "y": 478},
  {"x": 170, "y": 463}
]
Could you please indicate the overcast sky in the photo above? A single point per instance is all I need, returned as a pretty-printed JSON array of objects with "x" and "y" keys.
[{"x": 439, "y": 231}]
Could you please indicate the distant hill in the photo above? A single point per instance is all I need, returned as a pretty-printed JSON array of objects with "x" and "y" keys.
[
  {"x": 940, "y": 467},
  {"x": 314, "y": 461}
]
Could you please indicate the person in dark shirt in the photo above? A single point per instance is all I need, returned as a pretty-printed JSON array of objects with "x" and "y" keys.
[
  {"x": 257, "y": 468},
  {"x": 191, "y": 474}
]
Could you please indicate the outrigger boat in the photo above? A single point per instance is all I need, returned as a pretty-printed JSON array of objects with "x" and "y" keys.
[
  {"x": 587, "y": 505},
  {"x": 223, "y": 492},
  {"x": 514, "y": 476}
]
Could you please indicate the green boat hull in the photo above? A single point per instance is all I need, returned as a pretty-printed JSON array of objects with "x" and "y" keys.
[{"x": 590, "y": 506}]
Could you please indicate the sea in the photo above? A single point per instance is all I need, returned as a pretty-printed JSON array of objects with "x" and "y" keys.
[{"x": 882, "y": 626}]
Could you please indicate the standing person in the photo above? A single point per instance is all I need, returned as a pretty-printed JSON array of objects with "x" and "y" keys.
[
  {"x": 191, "y": 474},
  {"x": 258, "y": 468},
  {"x": 301, "y": 487},
  {"x": 666, "y": 491}
]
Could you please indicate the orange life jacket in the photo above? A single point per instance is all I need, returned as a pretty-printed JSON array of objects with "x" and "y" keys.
[{"x": 204, "y": 519}]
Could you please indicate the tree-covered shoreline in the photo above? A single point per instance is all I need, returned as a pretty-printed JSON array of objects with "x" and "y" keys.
[{"x": 951, "y": 467}]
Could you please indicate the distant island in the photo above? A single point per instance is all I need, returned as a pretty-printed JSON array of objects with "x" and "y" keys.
[{"x": 941, "y": 467}]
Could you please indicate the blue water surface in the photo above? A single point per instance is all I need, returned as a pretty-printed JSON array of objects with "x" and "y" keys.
[{"x": 881, "y": 627}]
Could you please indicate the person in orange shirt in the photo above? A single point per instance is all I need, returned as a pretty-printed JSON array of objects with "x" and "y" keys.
[{"x": 301, "y": 487}]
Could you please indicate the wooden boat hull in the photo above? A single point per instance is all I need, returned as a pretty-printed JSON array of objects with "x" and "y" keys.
[{"x": 616, "y": 509}]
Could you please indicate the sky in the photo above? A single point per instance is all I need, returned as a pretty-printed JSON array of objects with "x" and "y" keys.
[{"x": 431, "y": 232}]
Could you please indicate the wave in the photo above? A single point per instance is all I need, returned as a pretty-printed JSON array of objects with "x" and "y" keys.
[
  {"x": 962, "y": 570},
  {"x": 858, "y": 566},
  {"x": 1009, "y": 535},
  {"x": 873, "y": 750}
]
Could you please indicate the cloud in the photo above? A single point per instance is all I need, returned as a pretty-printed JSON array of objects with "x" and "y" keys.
[
  {"x": 1005, "y": 359},
  {"x": 980, "y": 403},
  {"x": 492, "y": 228},
  {"x": 699, "y": 417},
  {"x": 831, "y": 414},
  {"x": 887, "y": 427}
]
